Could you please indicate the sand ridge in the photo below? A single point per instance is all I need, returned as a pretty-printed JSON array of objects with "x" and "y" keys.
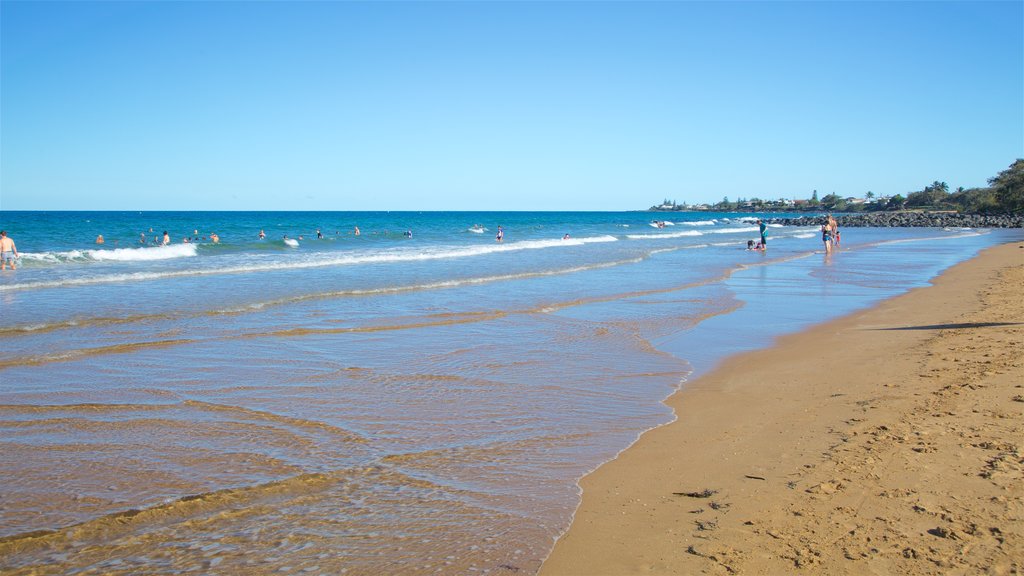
[{"x": 886, "y": 442}]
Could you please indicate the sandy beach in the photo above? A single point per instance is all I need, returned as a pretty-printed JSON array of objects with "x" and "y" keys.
[{"x": 886, "y": 442}]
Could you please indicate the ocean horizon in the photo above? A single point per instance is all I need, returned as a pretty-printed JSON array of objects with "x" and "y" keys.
[{"x": 419, "y": 398}]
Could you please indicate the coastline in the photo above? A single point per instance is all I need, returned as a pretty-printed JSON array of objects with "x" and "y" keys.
[{"x": 886, "y": 441}]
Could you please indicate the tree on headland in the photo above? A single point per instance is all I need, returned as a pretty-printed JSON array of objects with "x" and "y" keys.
[
  {"x": 833, "y": 202},
  {"x": 1005, "y": 194},
  {"x": 975, "y": 201},
  {"x": 1008, "y": 187},
  {"x": 933, "y": 196}
]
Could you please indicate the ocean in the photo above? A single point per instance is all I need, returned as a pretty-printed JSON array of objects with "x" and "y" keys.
[{"x": 415, "y": 399}]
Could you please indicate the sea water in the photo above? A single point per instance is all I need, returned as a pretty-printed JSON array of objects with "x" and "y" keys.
[{"x": 415, "y": 399}]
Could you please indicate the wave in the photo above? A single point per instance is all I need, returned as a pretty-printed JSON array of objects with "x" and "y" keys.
[
  {"x": 700, "y": 223},
  {"x": 667, "y": 235},
  {"x": 142, "y": 254},
  {"x": 257, "y": 306},
  {"x": 734, "y": 230},
  {"x": 318, "y": 260}
]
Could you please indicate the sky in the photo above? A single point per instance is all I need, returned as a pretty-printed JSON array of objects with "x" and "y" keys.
[{"x": 499, "y": 105}]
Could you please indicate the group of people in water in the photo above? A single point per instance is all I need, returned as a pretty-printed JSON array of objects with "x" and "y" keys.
[
  {"x": 763, "y": 244},
  {"x": 9, "y": 253},
  {"x": 165, "y": 238},
  {"x": 830, "y": 234}
]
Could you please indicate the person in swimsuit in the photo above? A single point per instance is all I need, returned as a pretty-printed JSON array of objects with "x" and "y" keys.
[
  {"x": 501, "y": 234},
  {"x": 826, "y": 237},
  {"x": 8, "y": 251},
  {"x": 764, "y": 234}
]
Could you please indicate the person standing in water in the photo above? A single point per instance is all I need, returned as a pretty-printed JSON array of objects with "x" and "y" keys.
[
  {"x": 764, "y": 234},
  {"x": 167, "y": 238},
  {"x": 501, "y": 234},
  {"x": 8, "y": 251},
  {"x": 357, "y": 231},
  {"x": 262, "y": 234}
]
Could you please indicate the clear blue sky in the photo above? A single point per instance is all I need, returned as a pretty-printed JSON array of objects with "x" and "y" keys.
[{"x": 499, "y": 105}]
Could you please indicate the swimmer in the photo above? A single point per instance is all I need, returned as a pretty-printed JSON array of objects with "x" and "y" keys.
[
  {"x": 501, "y": 234},
  {"x": 214, "y": 237},
  {"x": 566, "y": 237},
  {"x": 357, "y": 231},
  {"x": 8, "y": 251},
  {"x": 167, "y": 238},
  {"x": 142, "y": 237},
  {"x": 319, "y": 236},
  {"x": 262, "y": 234},
  {"x": 99, "y": 239}
]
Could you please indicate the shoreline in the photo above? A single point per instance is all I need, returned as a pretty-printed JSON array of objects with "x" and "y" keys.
[{"x": 884, "y": 441}]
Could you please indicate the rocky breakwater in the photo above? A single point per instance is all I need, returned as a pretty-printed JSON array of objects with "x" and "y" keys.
[{"x": 911, "y": 220}]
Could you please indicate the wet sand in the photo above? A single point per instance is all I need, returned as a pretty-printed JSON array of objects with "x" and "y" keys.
[{"x": 886, "y": 442}]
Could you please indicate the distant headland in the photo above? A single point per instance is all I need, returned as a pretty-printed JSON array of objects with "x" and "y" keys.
[{"x": 1004, "y": 195}]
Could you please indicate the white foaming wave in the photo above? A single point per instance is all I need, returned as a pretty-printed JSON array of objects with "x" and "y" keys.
[
  {"x": 668, "y": 235},
  {"x": 53, "y": 257},
  {"x": 144, "y": 254},
  {"x": 700, "y": 223},
  {"x": 117, "y": 254},
  {"x": 965, "y": 234},
  {"x": 318, "y": 261},
  {"x": 806, "y": 235},
  {"x": 734, "y": 230}
]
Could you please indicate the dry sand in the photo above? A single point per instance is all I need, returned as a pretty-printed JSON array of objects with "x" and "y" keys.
[{"x": 886, "y": 442}]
